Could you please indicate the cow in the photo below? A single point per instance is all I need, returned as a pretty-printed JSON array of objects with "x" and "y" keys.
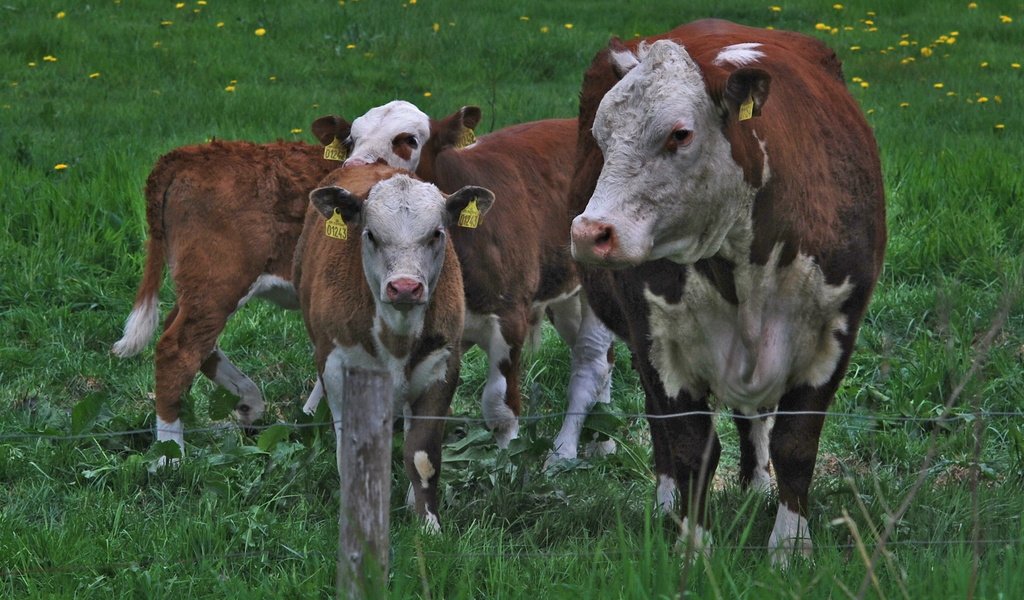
[
  {"x": 225, "y": 217},
  {"x": 385, "y": 292},
  {"x": 516, "y": 265},
  {"x": 728, "y": 214}
]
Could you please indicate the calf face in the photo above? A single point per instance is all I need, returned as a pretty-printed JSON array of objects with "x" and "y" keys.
[
  {"x": 669, "y": 187},
  {"x": 393, "y": 133}
]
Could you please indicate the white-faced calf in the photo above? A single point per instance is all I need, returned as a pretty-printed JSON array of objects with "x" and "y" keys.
[
  {"x": 515, "y": 264},
  {"x": 388, "y": 297}
]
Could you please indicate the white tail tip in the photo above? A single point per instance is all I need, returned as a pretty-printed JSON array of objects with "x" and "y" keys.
[{"x": 138, "y": 329}]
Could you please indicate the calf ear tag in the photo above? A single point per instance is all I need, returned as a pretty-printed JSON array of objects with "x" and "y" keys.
[
  {"x": 336, "y": 227},
  {"x": 335, "y": 151},
  {"x": 466, "y": 137},
  {"x": 470, "y": 216},
  {"x": 747, "y": 109}
]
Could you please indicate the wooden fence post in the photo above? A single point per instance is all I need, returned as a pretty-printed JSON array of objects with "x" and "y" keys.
[{"x": 364, "y": 451}]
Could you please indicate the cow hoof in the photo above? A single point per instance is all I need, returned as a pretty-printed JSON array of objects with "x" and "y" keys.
[
  {"x": 505, "y": 432},
  {"x": 786, "y": 551}
]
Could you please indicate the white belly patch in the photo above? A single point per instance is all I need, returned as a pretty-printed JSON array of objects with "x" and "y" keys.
[{"x": 781, "y": 334}]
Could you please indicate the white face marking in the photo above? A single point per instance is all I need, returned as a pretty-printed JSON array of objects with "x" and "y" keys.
[
  {"x": 780, "y": 335},
  {"x": 278, "y": 290},
  {"x": 423, "y": 467},
  {"x": 394, "y": 132},
  {"x": 679, "y": 204},
  {"x": 667, "y": 493},
  {"x": 739, "y": 54},
  {"x": 139, "y": 328},
  {"x": 790, "y": 536}
]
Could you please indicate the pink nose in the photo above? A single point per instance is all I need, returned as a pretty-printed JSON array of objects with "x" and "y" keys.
[
  {"x": 405, "y": 291},
  {"x": 593, "y": 240}
]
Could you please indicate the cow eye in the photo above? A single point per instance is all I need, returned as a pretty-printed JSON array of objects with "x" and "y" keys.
[
  {"x": 369, "y": 237},
  {"x": 413, "y": 143},
  {"x": 438, "y": 234},
  {"x": 349, "y": 143},
  {"x": 678, "y": 138}
]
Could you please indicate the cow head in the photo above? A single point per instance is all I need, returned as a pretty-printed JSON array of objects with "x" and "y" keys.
[
  {"x": 452, "y": 131},
  {"x": 393, "y": 133},
  {"x": 669, "y": 187},
  {"x": 404, "y": 225}
]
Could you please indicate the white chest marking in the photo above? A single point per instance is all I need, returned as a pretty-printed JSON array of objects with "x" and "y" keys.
[{"x": 781, "y": 334}]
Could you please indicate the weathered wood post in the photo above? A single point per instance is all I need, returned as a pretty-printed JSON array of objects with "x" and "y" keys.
[{"x": 364, "y": 455}]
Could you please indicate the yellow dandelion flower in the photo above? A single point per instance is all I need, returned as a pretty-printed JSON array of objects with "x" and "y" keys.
[
  {"x": 229, "y": 89},
  {"x": 775, "y": 8},
  {"x": 94, "y": 75},
  {"x": 220, "y": 24},
  {"x": 854, "y": 48},
  {"x": 872, "y": 29},
  {"x": 260, "y": 32},
  {"x": 201, "y": 3},
  {"x": 769, "y": 28},
  {"x": 870, "y": 111},
  {"x": 868, "y": 22},
  {"x": 427, "y": 94},
  {"x": 1005, "y": 19},
  {"x": 864, "y": 84},
  {"x": 926, "y": 51},
  {"x": 950, "y": 41},
  {"x": 998, "y": 99},
  {"x": 904, "y": 43},
  {"x": 157, "y": 44},
  {"x": 999, "y": 127},
  {"x": 856, "y": 79},
  {"x": 984, "y": 64},
  {"x": 951, "y": 94},
  {"x": 59, "y": 167},
  {"x": 1014, "y": 65},
  {"x": 524, "y": 18},
  {"x": 954, "y": 33},
  {"x": 166, "y": 23},
  {"x": 296, "y": 130},
  {"x": 60, "y": 15},
  {"x": 50, "y": 58},
  {"x": 272, "y": 78},
  {"x": 567, "y": 25},
  {"x": 436, "y": 27},
  {"x": 972, "y": 5},
  {"x": 837, "y": 6},
  {"x": 938, "y": 85},
  {"x": 350, "y": 46},
  {"x": 904, "y": 104},
  {"x": 871, "y": 13},
  {"x": 545, "y": 29},
  {"x": 847, "y": 27},
  {"x": 983, "y": 100},
  {"x": 821, "y": 27},
  {"x": 179, "y": 5}
]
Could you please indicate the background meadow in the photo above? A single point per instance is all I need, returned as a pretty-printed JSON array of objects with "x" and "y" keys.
[{"x": 92, "y": 93}]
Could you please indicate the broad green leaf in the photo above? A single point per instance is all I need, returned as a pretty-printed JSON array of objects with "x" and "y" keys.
[
  {"x": 85, "y": 413},
  {"x": 271, "y": 436},
  {"x": 221, "y": 404}
]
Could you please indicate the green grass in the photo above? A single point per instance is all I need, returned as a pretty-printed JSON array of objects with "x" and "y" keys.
[{"x": 88, "y": 517}]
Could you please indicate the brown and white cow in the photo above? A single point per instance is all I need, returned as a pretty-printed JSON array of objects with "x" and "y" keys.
[
  {"x": 224, "y": 216},
  {"x": 387, "y": 295},
  {"x": 516, "y": 265},
  {"x": 731, "y": 219}
]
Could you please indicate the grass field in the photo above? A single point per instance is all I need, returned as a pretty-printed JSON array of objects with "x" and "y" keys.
[{"x": 90, "y": 96}]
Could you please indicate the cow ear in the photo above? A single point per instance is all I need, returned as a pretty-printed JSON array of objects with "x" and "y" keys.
[
  {"x": 459, "y": 209},
  {"x": 326, "y": 129},
  {"x": 331, "y": 199},
  {"x": 470, "y": 116},
  {"x": 746, "y": 91},
  {"x": 622, "y": 59},
  {"x": 456, "y": 129}
]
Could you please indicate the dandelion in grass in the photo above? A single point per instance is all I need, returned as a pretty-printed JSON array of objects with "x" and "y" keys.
[
  {"x": 201, "y": 3},
  {"x": 296, "y": 130},
  {"x": 938, "y": 85},
  {"x": 926, "y": 51},
  {"x": 260, "y": 32},
  {"x": 972, "y": 5},
  {"x": 427, "y": 94},
  {"x": 775, "y": 9},
  {"x": 436, "y": 27},
  {"x": 982, "y": 99},
  {"x": 545, "y": 29},
  {"x": 1005, "y": 19},
  {"x": 220, "y": 24},
  {"x": 60, "y": 15},
  {"x": 272, "y": 78},
  {"x": 524, "y": 18},
  {"x": 983, "y": 64},
  {"x": 821, "y": 27},
  {"x": 179, "y": 5},
  {"x": 350, "y": 46},
  {"x": 999, "y": 126},
  {"x": 59, "y": 167},
  {"x": 904, "y": 104},
  {"x": 837, "y": 6},
  {"x": 230, "y": 89},
  {"x": 1014, "y": 65},
  {"x": 864, "y": 85},
  {"x": 32, "y": 64},
  {"x": 50, "y": 58},
  {"x": 854, "y": 48},
  {"x": 568, "y": 26},
  {"x": 95, "y": 75},
  {"x": 166, "y": 23}
]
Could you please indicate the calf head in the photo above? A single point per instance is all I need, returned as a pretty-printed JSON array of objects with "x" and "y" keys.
[
  {"x": 403, "y": 223},
  {"x": 453, "y": 131},
  {"x": 669, "y": 187},
  {"x": 393, "y": 133}
]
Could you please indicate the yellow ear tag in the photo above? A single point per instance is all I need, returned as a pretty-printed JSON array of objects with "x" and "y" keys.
[
  {"x": 747, "y": 108},
  {"x": 466, "y": 138},
  {"x": 336, "y": 227},
  {"x": 335, "y": 151},
  {"x": 470, "y": 216}
]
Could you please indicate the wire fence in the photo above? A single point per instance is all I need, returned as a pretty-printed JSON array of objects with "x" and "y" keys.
[{"x": 966, "y": 417}]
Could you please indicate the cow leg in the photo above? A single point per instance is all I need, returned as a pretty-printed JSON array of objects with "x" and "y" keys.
[
  {"x": 794, "y": 450},
  {"x": 500, "y": 402},
  {"x": 589, "y": 383},
  {"x": 422, "y": 450},
  {"x": 333, "y": 378},
  {"x": 189, "y": 337},
  {"x": 686, "y": 453},
  {"x": 755, "y": 471},
  {"x": 313, "y": 402},
  {"x": 224, "y": 373}
]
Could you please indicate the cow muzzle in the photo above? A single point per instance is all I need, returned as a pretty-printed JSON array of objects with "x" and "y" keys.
[
  {"x": 404, "y": 292},
  {"x": 597, "y": 242}
]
